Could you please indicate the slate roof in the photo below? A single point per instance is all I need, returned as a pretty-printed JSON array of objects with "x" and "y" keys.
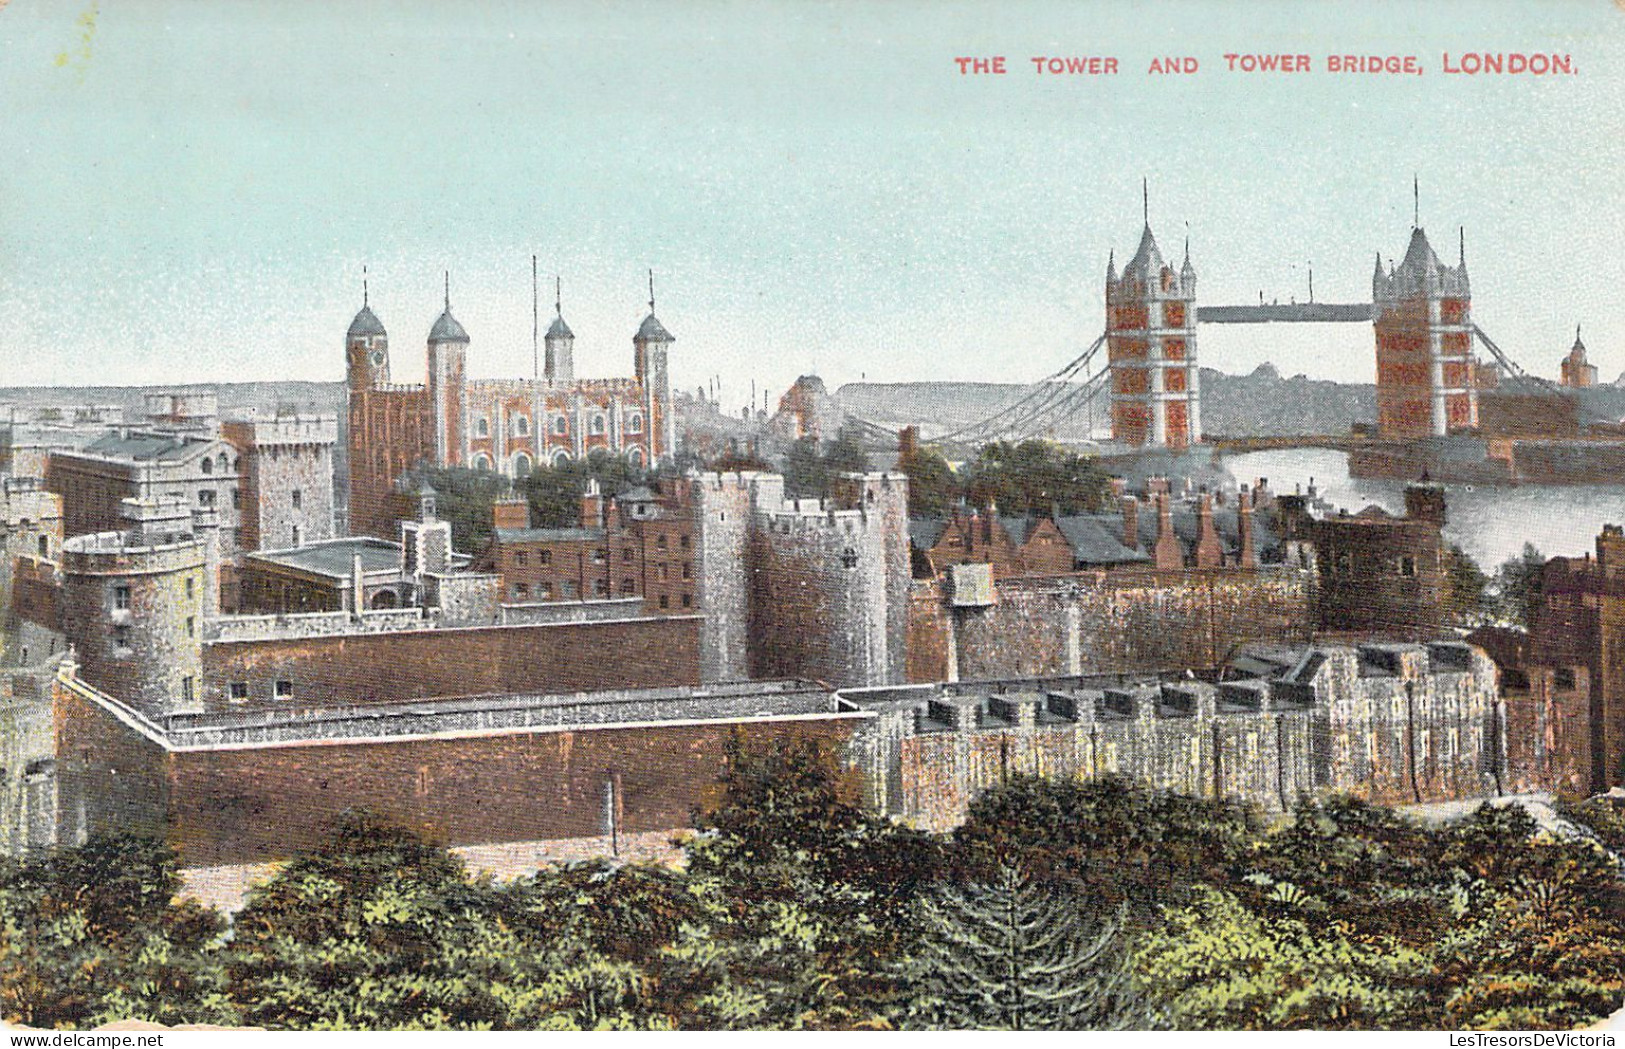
[
  {"x": 334, "y": 558},
  {"x": 652, "y": 329},
  {"x": 146, "y": 447},
  {"x": 446, "y": 329},
  {"x": 559, "y": 330},
  {"x": 547, "y": 535},
  {"x": 366, "y": 323}
]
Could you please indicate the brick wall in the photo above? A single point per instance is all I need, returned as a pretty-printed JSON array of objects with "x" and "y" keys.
[
  {"x": 403, "y": 665},
  {"x": 1107, "y": 622}
]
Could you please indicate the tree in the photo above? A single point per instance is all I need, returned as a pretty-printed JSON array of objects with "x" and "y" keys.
[
  {"x": 1010, "y": 954},
  {"x": 93, "y": 933},
  {"x": 1218, "y": 966},
  {"x": 933, "y": 490},
  {"x": 378, "y": 929},
  {"x": 1464, "y": 587},
  {"x": 1036, "y": 477},
  {"x": 1517, "y": 587},
  {"x": 1121, "y": 840}
]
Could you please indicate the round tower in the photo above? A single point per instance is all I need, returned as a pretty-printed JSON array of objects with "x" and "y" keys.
[
  {"x": 560, "y": 343},
  {"x": 649, "y": 361},
  {"x": 366, "y": 349},
  {"x": 447, "y": 368},
  {"x": 134, "y": 604}
]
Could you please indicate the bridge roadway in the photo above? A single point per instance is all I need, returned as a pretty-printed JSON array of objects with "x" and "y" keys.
[{"x": 1341, "y": 442}]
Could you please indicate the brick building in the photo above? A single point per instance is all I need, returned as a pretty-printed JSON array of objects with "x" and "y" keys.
[
  {"x": 235, "y": 788},
  {"x": 1151, "y": 349},
  {"x": 1575, "y": 668},
  {"x": 505, "y": 425},
  {"x": 1376, "y": 573},
  {"x": 1155, "y": 531},
  {"x": 638, "y": 544},
  {"x": 30, "y": 529}
]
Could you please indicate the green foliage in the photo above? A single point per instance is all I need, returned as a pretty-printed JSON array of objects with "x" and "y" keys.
[
  {"x": 1056, "y": 905},
  {"x": 1119, "y": 839},
  {"x": 1036, "y": 477},
  {"x": 933, "y": 490},
  {"x": 376, "y": 930},
  {"x": 811, "y": 469},
  {"x": 1465, "y": 601},
  {"x": 1016, "y": 955},
  {"x": 465, "y": 497},
  {"x": 1219, "y": 965},
  {"x": 93, "y": 933},
  {"x": 1516, "y": 587}
]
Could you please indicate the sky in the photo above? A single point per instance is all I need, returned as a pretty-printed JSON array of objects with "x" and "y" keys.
[{"x": 189, "y": 192}]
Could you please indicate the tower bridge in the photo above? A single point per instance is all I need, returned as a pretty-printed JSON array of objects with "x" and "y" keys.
[{"x": 1428, "y": 375}]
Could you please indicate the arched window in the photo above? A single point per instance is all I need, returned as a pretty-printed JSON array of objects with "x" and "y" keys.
[
  {"x": 521, "y": 465},
  {"x": 385, "y": 599},
  {"x": 483, "y": 427},
  {"x": 634, "y": 456},
  {"x": 208, "y": 465},
  {"x": 561, "y": 457},
  {"x": 597, "y": 424},
  {"x": 521, "y": 425},
  {"x": 482, "y": 462},
  {"x": 224, "y": 463},
  {"x": 561, "y": 426},
  {"x": 634, "y": 423}
]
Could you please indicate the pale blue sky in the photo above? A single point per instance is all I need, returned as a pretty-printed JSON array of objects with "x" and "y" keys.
[{"x": 815, "y": 184}]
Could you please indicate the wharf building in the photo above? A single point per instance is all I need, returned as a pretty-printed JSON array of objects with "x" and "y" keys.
[{"x": 505, "y": 425}]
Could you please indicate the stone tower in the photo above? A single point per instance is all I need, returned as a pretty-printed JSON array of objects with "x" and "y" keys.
[
  {"x": 1151, "y": 349},
  {"x": 559, "y": 363},
  {"x": 448, "y": 368},
  {"x": 649, "y": 361},
  {"x": 1422, "y": 312},
  {"x": 134, "y": 603}
]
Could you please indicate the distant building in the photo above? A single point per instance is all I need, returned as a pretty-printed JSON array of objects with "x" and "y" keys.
[
  {"x": 1575, "y": 669},
  {"x": 1576, "y": 371},
  {"x": 505, "y": 425}
]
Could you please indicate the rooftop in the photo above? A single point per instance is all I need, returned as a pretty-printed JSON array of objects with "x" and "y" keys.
[
  {"x": 464, "y": 715},
  {"x": 335, "y": 558}
]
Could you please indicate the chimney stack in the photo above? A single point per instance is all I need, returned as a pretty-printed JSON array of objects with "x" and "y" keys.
[
  {"x": 1168, "y": 554},
  {"x": 1209, "y": 552}
]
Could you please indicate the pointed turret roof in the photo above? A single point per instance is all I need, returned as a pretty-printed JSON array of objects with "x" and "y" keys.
[
  {"x": 1578, "y": 347},
  {"x": 651, "y": 330},
  {"x": 446, "y": 328},
  {"x": 560, "y": 330},
  {"x": 366, "y": 323},
  {"x": 1186, "y": 270},
  {"x": 1147, "y": 261}
]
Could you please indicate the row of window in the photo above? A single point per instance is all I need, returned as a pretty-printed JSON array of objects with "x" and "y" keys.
[
  {"x": 597, "y": 425},
  {"x": 523, "y": 464},
  {"x": 568, "y": 591},
  {"x": 238, "y": 690}
]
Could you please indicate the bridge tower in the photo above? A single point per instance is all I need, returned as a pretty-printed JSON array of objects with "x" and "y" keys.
[
  {"x": 1422, "y": 312},
  {"x": 1151, "y": 348}
]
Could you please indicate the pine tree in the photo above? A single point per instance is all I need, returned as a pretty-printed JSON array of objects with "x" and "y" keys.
[{"x": 1010, "y": 954}]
